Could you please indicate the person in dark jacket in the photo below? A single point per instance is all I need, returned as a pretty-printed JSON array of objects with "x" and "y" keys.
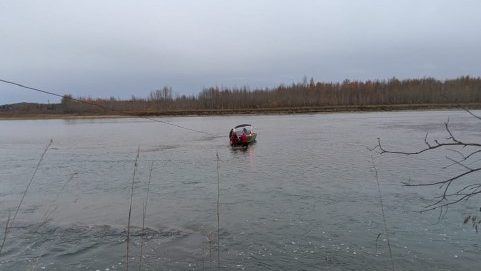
[{"x": 233, "y": 137}]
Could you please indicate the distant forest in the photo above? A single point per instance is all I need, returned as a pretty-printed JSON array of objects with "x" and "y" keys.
[{"x": 306, "y": 94}]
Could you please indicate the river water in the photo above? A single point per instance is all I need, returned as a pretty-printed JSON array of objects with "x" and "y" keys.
[{"x": 304, "y": 197}]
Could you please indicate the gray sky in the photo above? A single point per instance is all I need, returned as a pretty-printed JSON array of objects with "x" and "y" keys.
[{"x": 123, "y": 48}]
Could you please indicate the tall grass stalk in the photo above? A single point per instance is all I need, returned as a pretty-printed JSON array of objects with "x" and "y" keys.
[
  {"x": 218, "y": 212},
  {"x": 35, "y": 264},
  {"x": 203, "y": 257},
  {"x": 130, "y": 208},
  {"x": 382, "y": 212},
  {"x": 12, "y": 221},
  {"x": 52, "y": 208},
  {"x": 144, "y": 211},
  {"x": 5, "y": 232},
  {"x": 209, "y": 238}
]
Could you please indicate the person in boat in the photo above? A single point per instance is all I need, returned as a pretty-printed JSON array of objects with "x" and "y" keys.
[
  {"x": 233, "y": 137},
  {"x": 243, "y": 137}
]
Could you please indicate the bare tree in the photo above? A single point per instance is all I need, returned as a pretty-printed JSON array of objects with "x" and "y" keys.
[
  {"x": 163, "y": 94},
  {"x": 308, "y": 94},
  {"x": 459, "y": 187}
]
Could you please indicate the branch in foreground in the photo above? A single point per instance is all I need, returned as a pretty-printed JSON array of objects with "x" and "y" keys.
[{"x": 450, "y": 194}]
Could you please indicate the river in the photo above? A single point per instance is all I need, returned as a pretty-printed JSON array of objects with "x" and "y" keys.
[{"x": 304, "y": 197}]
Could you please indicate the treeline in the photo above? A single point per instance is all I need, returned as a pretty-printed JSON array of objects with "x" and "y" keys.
[
  {"x": 306, "y": 94},
  {"x": 347, "y": 93}
]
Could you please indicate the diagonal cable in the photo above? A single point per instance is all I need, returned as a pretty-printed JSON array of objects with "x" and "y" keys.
[{"x": 101, "y": 106}]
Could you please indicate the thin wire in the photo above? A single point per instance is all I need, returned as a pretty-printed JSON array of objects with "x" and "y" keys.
[{"x": 101, "y": 106}]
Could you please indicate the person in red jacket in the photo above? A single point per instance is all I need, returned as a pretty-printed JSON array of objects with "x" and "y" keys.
[{"x": 243, "y": 137}]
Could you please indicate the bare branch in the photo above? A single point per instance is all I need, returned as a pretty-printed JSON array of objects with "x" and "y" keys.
[
  {"x": 429, "y": 148},
  {"x": 451, "y": 136},
  {"x": 469, "y": 111},
  {"x": 450, "y": 194},
  {"x": 448, "y": 203},
  {"x": 445, "y": 181},
  {"x": 426, "y": 140},
  {"x": 456, "y": 162}
]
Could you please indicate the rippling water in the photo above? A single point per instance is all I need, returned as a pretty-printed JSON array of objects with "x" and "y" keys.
[{"x": 304, "y": 197}]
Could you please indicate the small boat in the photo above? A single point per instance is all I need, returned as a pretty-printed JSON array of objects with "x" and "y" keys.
[{"x": 242, "y": 135}]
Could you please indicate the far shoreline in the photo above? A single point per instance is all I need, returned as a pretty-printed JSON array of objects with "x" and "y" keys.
[{"x": 232, "y": 112}]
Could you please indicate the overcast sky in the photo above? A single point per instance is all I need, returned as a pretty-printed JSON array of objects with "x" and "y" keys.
[{"x": 123, "y": 48}]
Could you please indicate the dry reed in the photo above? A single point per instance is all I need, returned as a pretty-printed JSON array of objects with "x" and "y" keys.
[
  {"x": 144, "y": 211},
  {"x": 218, "y": 212},
  {"x": 382, "y": 212},
  {"x": 130, "y": 209},
  {"x": 51, "y": 209},
  {"x": 12, "y": 221},
  {"x": 5, "y": 232}
]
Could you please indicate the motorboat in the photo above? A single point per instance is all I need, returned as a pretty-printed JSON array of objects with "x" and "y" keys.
[{"x": 242, "y": 135}]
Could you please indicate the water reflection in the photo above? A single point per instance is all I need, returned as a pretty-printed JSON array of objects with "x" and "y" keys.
[{"x": 249, "y": 149}]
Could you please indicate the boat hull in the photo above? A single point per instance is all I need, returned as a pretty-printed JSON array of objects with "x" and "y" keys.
[{"x": 250, "y": 139}]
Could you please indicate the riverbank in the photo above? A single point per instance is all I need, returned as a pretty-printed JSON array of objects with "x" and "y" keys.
[{"x": 247, "y": 111}]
